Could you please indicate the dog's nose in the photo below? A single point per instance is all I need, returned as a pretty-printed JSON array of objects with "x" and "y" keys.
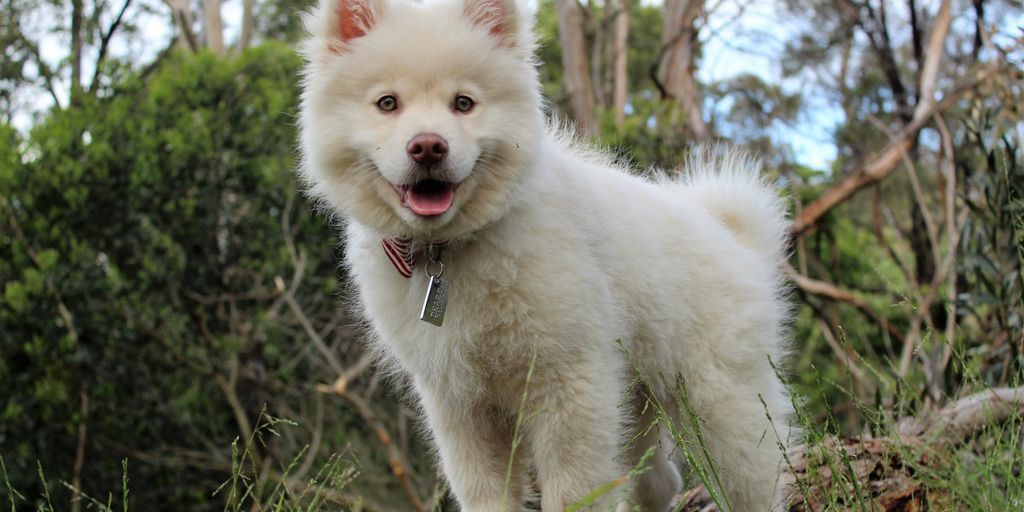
[{"x": 427, "y": 148}]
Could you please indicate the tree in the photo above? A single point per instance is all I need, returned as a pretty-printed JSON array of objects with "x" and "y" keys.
[
  {"x": 677, "y": 64},
  {"x": 619, "y": 53},
  {"x": 574, "y": 63}
]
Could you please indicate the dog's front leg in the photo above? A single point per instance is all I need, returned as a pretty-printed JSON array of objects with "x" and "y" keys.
[
  {"x": 474, "y": 445},
  {"x": 575, "y": 435}
]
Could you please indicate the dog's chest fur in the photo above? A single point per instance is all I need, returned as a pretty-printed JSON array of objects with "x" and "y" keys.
[{"x": 504, "y": 304}]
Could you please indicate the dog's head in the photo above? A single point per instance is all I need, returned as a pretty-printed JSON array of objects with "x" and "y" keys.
[{"x": 419, "y": 120}]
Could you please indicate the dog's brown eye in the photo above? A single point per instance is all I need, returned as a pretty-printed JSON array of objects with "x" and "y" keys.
[
  {"x": 387, "y": 103},
  {"x": 463, "y": 103}
]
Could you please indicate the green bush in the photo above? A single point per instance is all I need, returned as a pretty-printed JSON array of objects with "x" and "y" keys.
[{"x": 142, "y": 236}]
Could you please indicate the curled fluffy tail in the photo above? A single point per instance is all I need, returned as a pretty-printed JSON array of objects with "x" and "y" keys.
[{"x": 728, "y": 184}]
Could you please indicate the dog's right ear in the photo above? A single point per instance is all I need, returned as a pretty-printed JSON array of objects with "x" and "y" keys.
[
  {"x": 504, "y": 19},
  {"x": 347, "y": 20},
  {"x": 356, "y": 18}
]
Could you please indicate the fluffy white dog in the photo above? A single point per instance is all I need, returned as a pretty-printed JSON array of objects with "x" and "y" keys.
[{"x": 423, "y": 127}]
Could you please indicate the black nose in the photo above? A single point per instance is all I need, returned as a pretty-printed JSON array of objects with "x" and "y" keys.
[{"x": 427, "y": 148}]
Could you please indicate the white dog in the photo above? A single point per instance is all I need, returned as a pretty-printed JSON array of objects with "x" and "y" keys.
[{"x": 423, "y": 127}]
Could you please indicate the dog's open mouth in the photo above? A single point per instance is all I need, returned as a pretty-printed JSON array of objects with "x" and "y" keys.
[{"x": 428, "y": 197}]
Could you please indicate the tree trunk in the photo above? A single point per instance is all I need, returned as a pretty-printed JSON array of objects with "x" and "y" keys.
[
  {"x": 76, "y": 50},
  {"x": 181, "y": 15},
  {"x": 213, "y": 28},
  {"x": 677, "y": 65},
  {"x": 574, "y": 64},
  {"x": 619, "y": 52},
  {"x": 247, "y": 20},
  {"x": 600, "y": 57}
]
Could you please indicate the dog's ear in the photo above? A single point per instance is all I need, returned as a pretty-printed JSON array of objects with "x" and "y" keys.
[
  {"x": 355, "y": 18},
  {"x": 502, "y": 18}
]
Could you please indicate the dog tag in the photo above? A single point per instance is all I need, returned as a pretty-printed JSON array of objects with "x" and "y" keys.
[{"x": 436, "y": 301}]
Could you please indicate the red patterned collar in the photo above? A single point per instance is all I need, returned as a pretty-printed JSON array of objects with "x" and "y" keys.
[{"x": 403, "y": 255}]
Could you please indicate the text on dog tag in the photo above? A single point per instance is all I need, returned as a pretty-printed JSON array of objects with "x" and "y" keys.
[{"x": 435, "y": 302}]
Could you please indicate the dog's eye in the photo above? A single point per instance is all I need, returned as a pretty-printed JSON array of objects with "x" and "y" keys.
[
  {"x": 387, "y": 103},
  {"x": 463, "y": 103}
]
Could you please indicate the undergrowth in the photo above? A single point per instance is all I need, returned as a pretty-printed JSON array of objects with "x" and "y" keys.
[{"x": 833, "y": 469}]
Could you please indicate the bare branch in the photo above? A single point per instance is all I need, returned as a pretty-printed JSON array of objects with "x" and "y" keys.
[
  {"x": 62, "y": 310},
  {"x": 846, "y": 357},
  {"x": 395, "y": 458},
  {"x": 227, "y": 386},
  {"x": 952, "y": 237},
  {"x": 877, "y": 32},
  {"x": 832, "y": 292},
  {"x": 314, "y": 444},
  {"x": 182, "y": 15},
  {"x": 915, "y": 185},
  {"x": 960, "y": 419},
  {"x": 104, "y": 44},
  {"x": 932, "y": 56},
  {"x": 76, "y": 472},
  {"x": 45, "y": 72},
  {"x": 307, "y": 325},
  {"x": 341, "y": 383},
  {"x": 880, "y": 167}
]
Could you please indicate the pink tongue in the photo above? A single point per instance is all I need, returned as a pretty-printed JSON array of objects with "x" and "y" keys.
[{"x": 428, "y": 201}]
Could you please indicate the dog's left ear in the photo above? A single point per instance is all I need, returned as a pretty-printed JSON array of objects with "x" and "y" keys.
[{"x": 502, "y": 18}]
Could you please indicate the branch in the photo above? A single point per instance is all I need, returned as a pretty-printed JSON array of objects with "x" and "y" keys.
[
  {"x": 62, "y": 310},
  {"x": 44, "y": 69},
  {"x": 872, "y": 460},
  {"x": 830, "y": 291},
  {"x": 394, "y": 454},
  {"x": 956, "y": 421},
  {"x": 877, "y": 169},
  {"x": 930, "y": 71},
  {"x": 76, "y": 472},
  {"x": 878, "y": 36},
  {"x": 915, "y": 185},
  {"x": 341, "y": 383},
  {"x": 952, "y": 237},
  {"x": 182, "y": 17},
  {"x": 307, "y": 325},
  {"x": 227, "y": 386},
  {"x": 314, "y": 444},
  {"x": 159, "y": 60},
  {"x": 105, "y": 42}
]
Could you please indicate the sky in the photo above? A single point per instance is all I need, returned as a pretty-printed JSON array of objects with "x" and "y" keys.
[{"x": 746, "y": 37}]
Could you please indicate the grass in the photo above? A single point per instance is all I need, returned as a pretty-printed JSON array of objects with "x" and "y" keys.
[
  {"x": 248, "y": 488},
  {"x": 876, "y": 471}
]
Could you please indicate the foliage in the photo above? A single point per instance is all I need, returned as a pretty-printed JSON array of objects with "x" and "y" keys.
[{"x": 159, "y": 220}]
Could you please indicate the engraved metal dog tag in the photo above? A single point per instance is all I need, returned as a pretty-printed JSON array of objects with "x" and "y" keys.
[{"x": 435, "y": 301}]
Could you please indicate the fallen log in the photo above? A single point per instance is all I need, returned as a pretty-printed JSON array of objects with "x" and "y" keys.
[{"x": 874, "y": 469}]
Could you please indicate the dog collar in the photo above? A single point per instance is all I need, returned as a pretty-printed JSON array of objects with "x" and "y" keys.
[{"x": 402, "y": 255}]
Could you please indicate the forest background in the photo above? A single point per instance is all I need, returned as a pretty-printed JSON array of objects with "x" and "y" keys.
[{"x": 174, "y": 328}]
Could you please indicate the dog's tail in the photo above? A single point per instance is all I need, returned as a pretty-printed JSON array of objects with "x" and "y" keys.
[{"x": 728, "y": 184}]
